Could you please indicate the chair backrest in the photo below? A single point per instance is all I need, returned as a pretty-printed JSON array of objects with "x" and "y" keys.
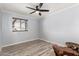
[{"x": 74, "y": 46}]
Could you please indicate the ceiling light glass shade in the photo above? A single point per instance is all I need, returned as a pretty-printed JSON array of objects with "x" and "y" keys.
[{"x": 37, "y": 12}]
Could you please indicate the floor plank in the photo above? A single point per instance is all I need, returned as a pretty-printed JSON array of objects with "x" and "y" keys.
[{"x": 31, "y": 48}]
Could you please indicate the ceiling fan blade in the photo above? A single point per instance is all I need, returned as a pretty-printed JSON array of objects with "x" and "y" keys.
[
  {"x": 31, "y": 8},
  {"x": 40, "y": 14},
  {"x": 44, "y": 10},
  {"x": 33, "y": 12},
  {"x": 40, "y": 5}
]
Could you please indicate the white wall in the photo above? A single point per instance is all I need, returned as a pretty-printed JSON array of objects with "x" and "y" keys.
[
  {"x": 10, "y": 37},
  {"x": 40, "y": 27},
  {"x": 0, "y": 30},
  {"x": 61, "y": 27}
]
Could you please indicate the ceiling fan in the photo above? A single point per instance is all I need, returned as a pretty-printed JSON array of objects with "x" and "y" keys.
[{"x": 38, "y": 9}]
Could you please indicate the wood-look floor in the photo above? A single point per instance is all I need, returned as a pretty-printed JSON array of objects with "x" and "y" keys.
[{"x": 31, "y": 48}]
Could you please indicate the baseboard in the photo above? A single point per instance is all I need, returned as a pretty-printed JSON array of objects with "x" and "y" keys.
[
  {"x": 19, "y": 42},
  {"x": 54, "y": 43},
  {"x": 32, "y": 40}
]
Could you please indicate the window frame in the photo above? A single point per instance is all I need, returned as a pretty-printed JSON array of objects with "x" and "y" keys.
[{"x": 20, "y": 21}]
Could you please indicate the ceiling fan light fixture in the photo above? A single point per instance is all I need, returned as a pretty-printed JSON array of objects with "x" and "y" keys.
[{"x": 37, "y": 12}]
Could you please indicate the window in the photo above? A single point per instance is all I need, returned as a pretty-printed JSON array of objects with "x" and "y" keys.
[{"x": 19, "y": 24}]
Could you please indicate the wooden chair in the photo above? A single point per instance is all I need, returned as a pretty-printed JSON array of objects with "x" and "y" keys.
[
  {"x": 73, "y": 46},
  {"x": 61, "y": 51}
]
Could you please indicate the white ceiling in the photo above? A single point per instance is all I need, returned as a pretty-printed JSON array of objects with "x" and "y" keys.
[{"x": 21, "y": 7}]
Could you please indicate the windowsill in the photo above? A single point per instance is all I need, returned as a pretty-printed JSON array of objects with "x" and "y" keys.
[{"x": 19, "y": 30}]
